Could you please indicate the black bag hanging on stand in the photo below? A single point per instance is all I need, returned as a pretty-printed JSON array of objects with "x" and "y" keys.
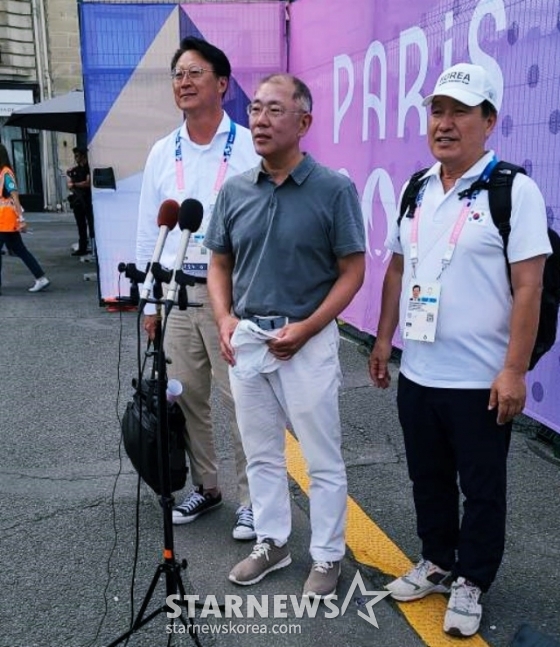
[{"x": 139, "y": 429}]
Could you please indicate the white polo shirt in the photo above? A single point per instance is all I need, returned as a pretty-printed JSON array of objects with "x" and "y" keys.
[
  {"x": 200, "y": 167},
  {"x": 475, "y": 307}
]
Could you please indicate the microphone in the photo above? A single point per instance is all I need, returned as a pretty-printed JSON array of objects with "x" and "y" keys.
[
  {"x": 190, "y": 219},
  {"x": 167, "y": 219}
]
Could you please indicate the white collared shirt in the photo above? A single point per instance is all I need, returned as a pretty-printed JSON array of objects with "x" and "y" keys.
[
  {"x": 474, "y": 318},
  {"x": 200, "y": 168}
]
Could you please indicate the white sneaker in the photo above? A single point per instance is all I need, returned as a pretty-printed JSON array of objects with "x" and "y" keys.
[
  {"x": 244, "y": 528},
  {"x": 423, "y": 579},
  {"x": 40, "y": 284},
  {"x": 464, "y": 611}
]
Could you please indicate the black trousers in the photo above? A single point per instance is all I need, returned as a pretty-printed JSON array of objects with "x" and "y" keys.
[
  {"x": 83, "y": 214},
  {"x": 15, "y": 244},
  {"x": 450, "y": 433}
]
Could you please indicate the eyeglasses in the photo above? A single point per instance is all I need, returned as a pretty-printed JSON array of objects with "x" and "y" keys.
[
  {"x": 255, "y": 110},
  {"x": 194, "y": 72}
]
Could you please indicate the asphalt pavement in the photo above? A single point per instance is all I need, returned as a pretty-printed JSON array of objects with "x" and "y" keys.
[{"x": 81, "y": 541}]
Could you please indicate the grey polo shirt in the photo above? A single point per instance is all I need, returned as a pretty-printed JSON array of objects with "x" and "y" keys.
[{"x": 286, "y": 238}]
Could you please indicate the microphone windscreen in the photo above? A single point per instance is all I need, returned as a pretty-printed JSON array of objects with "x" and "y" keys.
[
  {"x": 190, "y": 214},
  {"x": 168, "y": 214}
]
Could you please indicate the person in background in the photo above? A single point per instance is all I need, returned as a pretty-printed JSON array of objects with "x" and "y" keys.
[
  {"x": 192, "y": 162},
  {"x": 287, "y": 241},
  {"x": 457, "y": 394},
  {"x": 80, "y": 199},
  {"x": 12, "y": 223}
]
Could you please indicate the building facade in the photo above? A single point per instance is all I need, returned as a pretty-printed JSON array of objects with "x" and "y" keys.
[{"x": 39, "y": 59}]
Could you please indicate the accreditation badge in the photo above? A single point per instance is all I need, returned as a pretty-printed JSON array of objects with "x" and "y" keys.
[{"x": 422, "y": 311}]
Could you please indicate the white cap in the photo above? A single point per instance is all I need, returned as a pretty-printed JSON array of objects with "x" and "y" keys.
[{"x": 469, "y": 84}]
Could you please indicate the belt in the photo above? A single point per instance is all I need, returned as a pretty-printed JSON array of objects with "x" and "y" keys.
[
  {"x": 199, "y": 279},
  {"x": 269, "y": 323}
]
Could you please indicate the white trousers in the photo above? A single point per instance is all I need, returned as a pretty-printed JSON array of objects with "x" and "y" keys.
[{"x": 304, "y": 391}]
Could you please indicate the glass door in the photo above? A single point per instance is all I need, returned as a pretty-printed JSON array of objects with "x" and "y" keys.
[{"x": 26, "y": 159}]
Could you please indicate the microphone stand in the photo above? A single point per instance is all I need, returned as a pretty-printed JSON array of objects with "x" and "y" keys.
[{"x": 169, "y": 567}]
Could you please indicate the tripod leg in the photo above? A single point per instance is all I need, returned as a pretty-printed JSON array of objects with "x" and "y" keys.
[
  {"x": 188, "y": 624},
  {"x": 172, "y": 573},
  {"x": 139, "y": 621}
]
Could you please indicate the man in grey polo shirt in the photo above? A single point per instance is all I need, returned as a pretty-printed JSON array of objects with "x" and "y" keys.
[{"x": 288, "y": 257}]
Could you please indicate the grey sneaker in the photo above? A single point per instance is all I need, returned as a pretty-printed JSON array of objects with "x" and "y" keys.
[
  {"x": 464, "y": 611},
  {"x": 244, "y": 529},
  {"x": 195, "y": 504},
  {"x": 40, "y": 284},
  {"x": 322, "y": 580},
  {"x": 265, "y": 558},
  {"x": 423, "y": 579}
]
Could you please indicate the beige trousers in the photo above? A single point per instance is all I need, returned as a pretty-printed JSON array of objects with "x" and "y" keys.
[{"x": 191, "y": 343}]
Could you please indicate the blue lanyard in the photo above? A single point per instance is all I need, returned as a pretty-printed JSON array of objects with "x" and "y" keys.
[
  {"x": 470, "y": 193},
  {"x": 482, "y": 180},
  {"x": 489, "y": 168},
  {"x": 222, "y": 170}
]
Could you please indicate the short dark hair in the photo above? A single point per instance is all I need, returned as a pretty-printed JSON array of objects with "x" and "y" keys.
[
  {"x": 210, "y": 53},
  {"x": 416, "y": 286},
  {"x": 80, "y": 149},
  {"x": 488, "y": 109},
  {"x": 301, "y": 95}
]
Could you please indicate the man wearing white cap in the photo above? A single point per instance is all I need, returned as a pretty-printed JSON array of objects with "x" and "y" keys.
[{"x": 466, "y": 352}]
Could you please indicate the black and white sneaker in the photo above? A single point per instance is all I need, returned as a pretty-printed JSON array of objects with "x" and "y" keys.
[
  {"x": 244, "y": 529},
  {"x": 195, "y": 504},
  {"x": 423, "y": 579}
]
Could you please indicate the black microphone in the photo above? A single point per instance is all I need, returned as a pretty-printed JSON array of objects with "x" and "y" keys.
[
  {"x": 190, "y": 219},
  {"x": 167, "y": 219}
]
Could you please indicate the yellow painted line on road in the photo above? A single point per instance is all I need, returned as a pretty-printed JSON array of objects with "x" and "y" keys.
[{"x": 371, "y": 546}]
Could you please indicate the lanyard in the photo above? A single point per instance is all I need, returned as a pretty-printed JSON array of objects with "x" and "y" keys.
[
  {"x": 222, "y": 170},
  {"x": 457, "y": 229}
]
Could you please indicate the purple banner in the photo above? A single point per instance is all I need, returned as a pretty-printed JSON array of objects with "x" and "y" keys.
[{"x": 369, "y": 68}]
